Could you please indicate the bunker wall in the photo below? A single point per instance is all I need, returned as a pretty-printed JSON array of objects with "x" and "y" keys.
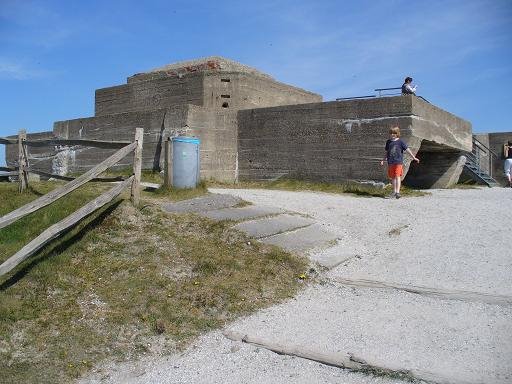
[
  {"x": 338, "y": 141},
  {"x": 113, "y": 127},
  {"x": 150, "y": 95},
  {"x": 236, "y": 90},
  {"x": 331, "y": 141},
  {"x": 40, "y": 158},
  {"x": 497, "y": 141},
  {"x": 217, "y": 130}
]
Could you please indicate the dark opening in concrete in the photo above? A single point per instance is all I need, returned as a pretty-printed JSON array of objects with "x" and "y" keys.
[
  {"x": 225, "y": 80},
  {"x": 439, "y": 166},
  {"x": 225, "y": 96},
  {"x": 225, "y": 105}
]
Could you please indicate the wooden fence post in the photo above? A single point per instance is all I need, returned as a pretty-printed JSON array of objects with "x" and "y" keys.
[
  {"x": 22, "y": 173},
  {"x": 137, "y": 166},
  {"x": 168, "y": 164}
]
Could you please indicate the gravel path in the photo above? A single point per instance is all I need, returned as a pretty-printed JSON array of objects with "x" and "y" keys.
[{"x": 449, "y": 240}]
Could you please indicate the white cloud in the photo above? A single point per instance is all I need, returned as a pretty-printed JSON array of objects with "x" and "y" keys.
[{"x": 10, "y": 70}]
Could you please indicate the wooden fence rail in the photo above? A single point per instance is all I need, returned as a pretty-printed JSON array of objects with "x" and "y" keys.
[
  {"x": 65, "y": 189},
  {"x": 69, "y": 178},
  {"x": 23, "y": 143},
  {"x": 86, "y": 143},
  {"x": 9, "y": 173},
  {"x": 56, "y": 229}
]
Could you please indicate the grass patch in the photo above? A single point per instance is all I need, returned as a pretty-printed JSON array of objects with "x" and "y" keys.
[
  {"x": 148, "y": 176},
  {"x": 125, "y": 282},
  {"x": 353, "y": 188},
  {"x": 179, "y": 194},
  {"x": 156, "y": 177},
  {"x": 467, "y": 185}
]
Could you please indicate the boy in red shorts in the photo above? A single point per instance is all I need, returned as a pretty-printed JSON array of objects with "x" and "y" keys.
[{"x": 395, "y": 148}]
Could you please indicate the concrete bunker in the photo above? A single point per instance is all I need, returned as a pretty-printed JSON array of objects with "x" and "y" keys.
[{"x": 253, "y": 127}]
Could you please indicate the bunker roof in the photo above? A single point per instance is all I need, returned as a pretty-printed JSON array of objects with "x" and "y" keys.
[{"x": 205, "y": 64}]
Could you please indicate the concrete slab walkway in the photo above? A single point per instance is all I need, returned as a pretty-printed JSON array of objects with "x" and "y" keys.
[{"x": 269, "y": 224}]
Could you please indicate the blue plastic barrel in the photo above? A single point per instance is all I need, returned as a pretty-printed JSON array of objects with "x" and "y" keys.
[{"x": 185, "y": 162}]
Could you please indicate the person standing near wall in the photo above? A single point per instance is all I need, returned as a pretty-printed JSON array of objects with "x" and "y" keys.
[
  {"x": 507, "y": 166},
  {"x": 407, "y": 88},
  {"x": 395, "y": 148}
]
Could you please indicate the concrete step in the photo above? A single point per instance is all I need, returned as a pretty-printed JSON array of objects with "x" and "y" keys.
[
  {"x": 202, "y": 204},
  {"x": 273, "y": 225},
  {"x": 242, "y": 213},
  {"x": 303, "y": 239}
]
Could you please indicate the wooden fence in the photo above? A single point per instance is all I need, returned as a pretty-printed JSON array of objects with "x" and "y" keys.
[{"x": 91, "y": 175}]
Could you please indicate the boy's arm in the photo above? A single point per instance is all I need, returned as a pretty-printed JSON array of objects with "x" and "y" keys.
[
  {"x": 384, "y": 159},
  {"x": 412, "y": 154}
]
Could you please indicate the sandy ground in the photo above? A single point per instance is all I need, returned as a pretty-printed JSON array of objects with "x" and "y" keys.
[{"x": 449, "y": 240}]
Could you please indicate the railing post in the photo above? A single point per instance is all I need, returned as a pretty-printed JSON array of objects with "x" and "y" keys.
[
  {"x": 490, "y": 163},
  {"x": 137, "y": 167},
  {"x": 22, "y": 173},
  {"x": 168, "y": 164}
]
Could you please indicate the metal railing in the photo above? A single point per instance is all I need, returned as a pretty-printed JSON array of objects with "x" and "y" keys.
[
  {"x": 480, "y": 150},
  {"x": 381, "y": 94},
  {"x": 355, "y": 97},
  {"x": 380, "y": 90}
]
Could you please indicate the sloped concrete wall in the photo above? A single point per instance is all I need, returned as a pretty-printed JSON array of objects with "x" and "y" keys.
[
  {"x": 440, "y": 166},
  {"x": 434, "y": 124},
  {"x": 443, "y": 138}
]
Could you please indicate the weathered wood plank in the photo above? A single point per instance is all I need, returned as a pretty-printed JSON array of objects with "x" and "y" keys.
[
  {"x": 342, "y": 360},
  {"x": 64, "y": 190},
  {"x": 167, "y": 163},
  {"x": 9, "y": 173},
  {"x": 67, "y": 178},
  {"x": 137, "y": 166},
  {"x": 426, "y": 291},
  {"x": 26, "y": 163},
  {"x": 86, "y": 143},
  {"x": 22, "y": 163},
  {"x": 5, "y": 140},
  {"x": 56, "y": 229}
]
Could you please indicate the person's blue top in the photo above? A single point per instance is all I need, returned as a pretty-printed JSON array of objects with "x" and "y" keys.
[{"x": 395, "y": 151}]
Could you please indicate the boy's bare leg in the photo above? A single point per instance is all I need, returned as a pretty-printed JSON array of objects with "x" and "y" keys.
[{"x": 398, "y": 184}]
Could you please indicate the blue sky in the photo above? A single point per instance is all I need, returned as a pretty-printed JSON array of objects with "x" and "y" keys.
[{"x": 54, "y": 54}]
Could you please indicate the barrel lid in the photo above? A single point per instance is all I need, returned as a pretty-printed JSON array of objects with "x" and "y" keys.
[{"x": 184, "y": 139}]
